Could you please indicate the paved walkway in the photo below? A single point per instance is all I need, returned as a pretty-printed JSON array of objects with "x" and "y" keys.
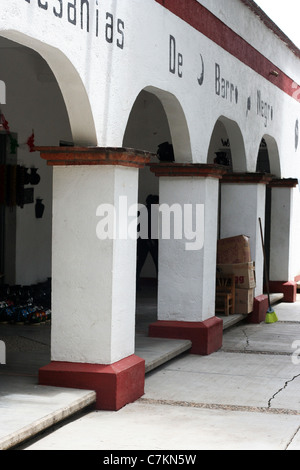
[{"x": 245, "y": 396}]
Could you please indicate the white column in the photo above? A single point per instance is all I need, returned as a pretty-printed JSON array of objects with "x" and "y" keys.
[
  {"x": 284, "y": 239},
  {"x": 243, "y": 199},
  {"x": 93, "y": 279},
  {"x": 187, "y": 268}
]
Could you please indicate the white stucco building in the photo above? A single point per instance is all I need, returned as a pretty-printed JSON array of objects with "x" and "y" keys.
[{"x": 102, "y": 84}]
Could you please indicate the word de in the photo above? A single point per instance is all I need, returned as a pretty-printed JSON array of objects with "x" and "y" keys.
[{"x": 175, "y": 58}]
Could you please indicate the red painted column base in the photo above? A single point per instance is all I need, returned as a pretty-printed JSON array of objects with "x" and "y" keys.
[
  {"x": 206, "y": 336},
  {"x": 260, "y": 308},
  {"x": 288, "y": 289},
  {"x": 116, "y": 385}
]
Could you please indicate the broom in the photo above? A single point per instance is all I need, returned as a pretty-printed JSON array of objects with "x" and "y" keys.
[{"x": 271, "y": 316}]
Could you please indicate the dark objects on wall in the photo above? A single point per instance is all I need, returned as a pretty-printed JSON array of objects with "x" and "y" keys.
[
  {"x": 221, "y": 159},
  {"x": 39, "y": 208},
  {"x": 34, "y": 176},
  {"x": 165, "y": 152},
  {"x": 13, "y": 179},
  {"x": 26, "y": 176}
]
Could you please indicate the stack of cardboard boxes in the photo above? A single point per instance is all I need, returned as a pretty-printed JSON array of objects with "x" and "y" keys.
[{"x": 234, "y": 257}]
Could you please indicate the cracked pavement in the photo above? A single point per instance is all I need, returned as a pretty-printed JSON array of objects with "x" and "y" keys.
[{"x": 243, "y": 397}]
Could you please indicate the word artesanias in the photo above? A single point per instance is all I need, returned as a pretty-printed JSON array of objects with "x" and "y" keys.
[{"x": 86, "y": 15}]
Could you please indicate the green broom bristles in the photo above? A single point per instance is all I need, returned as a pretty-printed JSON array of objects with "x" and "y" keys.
[{"x": 271, "y": 316}]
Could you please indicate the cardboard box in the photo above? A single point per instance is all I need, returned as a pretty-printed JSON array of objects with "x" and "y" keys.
[
  {"x": 244, "y": 274},
  {"x": 244, "y": 299},
  {"x": 233, "y": 250}
]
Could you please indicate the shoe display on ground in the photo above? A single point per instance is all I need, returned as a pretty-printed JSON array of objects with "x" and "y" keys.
[{"x": 25, "y": 304}]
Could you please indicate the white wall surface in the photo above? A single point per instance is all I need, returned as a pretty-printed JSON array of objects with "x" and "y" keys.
[
  {"x": 101, "y": 70},
  {"x": 113, "y": 73}
]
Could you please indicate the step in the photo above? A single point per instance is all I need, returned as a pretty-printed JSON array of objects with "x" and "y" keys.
[
  {"x": 276, "y": 297},
  {"x": 157, "y": 351}
]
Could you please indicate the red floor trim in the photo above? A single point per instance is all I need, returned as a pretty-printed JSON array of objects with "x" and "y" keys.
[
  {"x": 116, "y": 385},
  {"x": 260, "y": 308},
  {"x": 206, "y": 336},
  {"x": 288, "y": 289}
]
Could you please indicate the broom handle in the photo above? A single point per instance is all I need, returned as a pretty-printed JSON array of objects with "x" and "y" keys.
[{"x": 265, "y": 263}]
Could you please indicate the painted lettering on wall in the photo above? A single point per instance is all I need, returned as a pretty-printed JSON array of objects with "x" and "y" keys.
[
  {"x": 264, "y": 109},
  {"x": 224, "y": 87},
  {"x": 200, "y": 79},
  {"x": 80, "y": 13},
  {"x": 114, "y": 32},
  {"x": 175, "y": 58},
  {"x": 176, "y": 61}
]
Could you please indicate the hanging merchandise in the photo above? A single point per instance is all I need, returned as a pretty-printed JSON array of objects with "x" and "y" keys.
[
  {"x": 34, "y": 177},
  {"x": 13, "y": 178},
  {"x": 26, "y": 176},
  {"x": 30, "y": 142},
  {"x": 11, "y": 185},
  {"x": 13, "y": 142},
  {"x": 20, "y": 194},
  {"x": 221, "y": 159},
  {"x": 39, "y": 208},
  {"x": 4, "y": 123},
  {"x": 2, "y": 183},
  {"x": 165, "y": 152}
]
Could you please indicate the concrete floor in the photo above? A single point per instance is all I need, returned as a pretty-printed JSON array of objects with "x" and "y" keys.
[{"x": 245, "y": 396}]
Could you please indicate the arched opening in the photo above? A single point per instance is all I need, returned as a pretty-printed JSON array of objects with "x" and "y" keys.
[
  {"x": 156, "y": 118},
  {"x": 226, "y": 148},
  {"x": 268, "y": 161},
  {"x": 146, "y": 129},
  {"x": 227, "y": 141},
  {"x": 38, "y": 111}
]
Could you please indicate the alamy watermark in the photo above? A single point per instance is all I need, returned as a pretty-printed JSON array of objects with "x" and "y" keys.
[
  {"x": 157, "y": 222},
  {"x": 296, "y": 353},
  {"x": 2, "y": 353}
]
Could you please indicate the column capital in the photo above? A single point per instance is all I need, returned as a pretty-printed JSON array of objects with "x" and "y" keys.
[
  {"x": 70, "y": 156},
  {"x": 283, "y": 183},
  {"x": 247, "y": 178},
  {"x": 187, "y": 170}
]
